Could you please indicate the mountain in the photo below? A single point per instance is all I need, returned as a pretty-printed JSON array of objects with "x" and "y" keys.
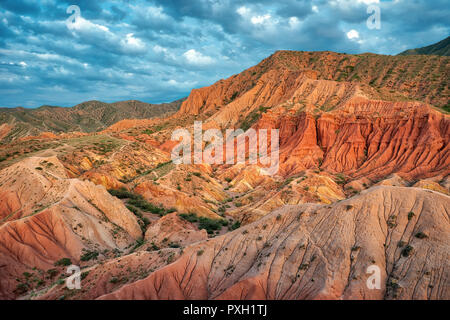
[
  {"x": 85, "y": 117},
  {"x": 388, "y": 78},
  {"x": 363, "y": 180},
  {"x": 441, "y": 48},
  {"x": 341, "y": 113}
]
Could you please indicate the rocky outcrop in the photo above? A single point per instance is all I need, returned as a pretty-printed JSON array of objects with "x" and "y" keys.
[
  {"x": 171, "y": 229},
  {"x": 48, "y": 217},
  {"x": 319, "y": 252}
]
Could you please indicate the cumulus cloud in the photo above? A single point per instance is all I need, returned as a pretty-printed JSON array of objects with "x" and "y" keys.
[
  {"x": 260, "y": 19},
  {"x": 353, "y": 34},
  {"x": 132, "y": 43},
  {"x": 197, "y": 58}
]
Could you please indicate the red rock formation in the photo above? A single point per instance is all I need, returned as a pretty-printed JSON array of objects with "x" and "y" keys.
[
  {"x": 347, "y": 127},
  {"x": 173, "y": 229},
  {"x": 49, "y": 217},
  {"x": 318, "y": 252}
]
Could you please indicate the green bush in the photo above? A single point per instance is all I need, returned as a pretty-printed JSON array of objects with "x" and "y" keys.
[
  {"x": 114, "y": 280},
  {"x": 153, "y": 247},
  {"x": 22, "y": 288},
  {"x": 124, "y": 194},
  {"x": 407, "y": 250},
  {"x": 63, "y": 262},
  {"x": 191, "y": 217},
  {"x": 139, "y": 243},
  {"x": 89, "y": 255},
  {"x": 421, "y": 235},
  {"x": 147, "y": 206},
  {"x": 52, "y": 273},
  {"x": 235, "y": 225},
  {"x": 210, "y": 225},
  {"x": 174, "y": 245}
]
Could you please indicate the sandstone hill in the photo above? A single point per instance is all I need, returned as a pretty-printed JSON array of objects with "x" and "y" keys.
[{"x": 318, "y": 252}]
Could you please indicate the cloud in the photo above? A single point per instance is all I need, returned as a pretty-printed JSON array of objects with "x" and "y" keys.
[
  {"x": 294, "y": 22},
  {"x": 196, "y": 58},
  {"x": 132, "y": 44},
  {"x": 260, "y": 19},
  {"x": 353, "y": 34}
]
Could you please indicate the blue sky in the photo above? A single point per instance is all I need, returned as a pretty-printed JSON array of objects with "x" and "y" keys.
[{"x": 157, "y": 51}]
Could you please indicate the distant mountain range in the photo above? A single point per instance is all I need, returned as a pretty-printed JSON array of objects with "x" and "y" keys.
[
  {"x": 88, "y": 116},
  {"x": 442, "y": 48}
]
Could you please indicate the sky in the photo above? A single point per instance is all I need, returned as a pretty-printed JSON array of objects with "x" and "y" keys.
[{"x": 158, "y": 51}]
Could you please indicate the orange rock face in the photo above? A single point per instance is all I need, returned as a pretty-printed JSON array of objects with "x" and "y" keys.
[
  {"x": 48, "y": 217},
  {"x": 344, "y": 127},
  {"x": 370, "y": 139},
  {"x": 173, "y": 229}
]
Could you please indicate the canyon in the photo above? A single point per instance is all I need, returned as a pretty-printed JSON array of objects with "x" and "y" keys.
[{"x": 363, "y": 180}]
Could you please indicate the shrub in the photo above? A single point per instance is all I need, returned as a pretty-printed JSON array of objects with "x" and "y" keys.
[
  {"x": 407, "y": 251},
  {"x": 153, "y": 247},
  {"x": 147, "y": 206},
  {"x": 124, "y": 194},
  {"x": 211, "y": 225},
  {"x": 340, "y": 179},
  {"x": 114, "y": 280},
  {"x": 191, "y": 217},
  {"x": 133, "y": 209},
  {"x": 410, "y": 215},
  {"x": 235, "y": 225},
  {"x": 139, "y": 242},
  {"x": 174, "y": 245},
  {"x": 63, "y": 262},
  {"x": 52, "y": 273},
  {"x": 421, "y": 235},
  {"x": 89, "y": 255},
  {"x": 22, "y": 288}
]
